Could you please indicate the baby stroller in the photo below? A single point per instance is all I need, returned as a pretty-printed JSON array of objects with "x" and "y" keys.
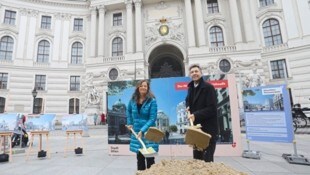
[{"x": 16, "y": 138}]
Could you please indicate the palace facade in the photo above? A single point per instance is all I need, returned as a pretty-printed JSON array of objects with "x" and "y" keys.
[{"x": 68, "y": 50}]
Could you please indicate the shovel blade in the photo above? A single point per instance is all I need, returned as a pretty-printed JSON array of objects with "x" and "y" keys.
[
  {"x": 197, "y": 138},
  {"x": 149, "y": 152}
]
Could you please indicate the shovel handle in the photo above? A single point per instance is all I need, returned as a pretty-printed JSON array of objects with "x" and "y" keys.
[
  {"x": 190, "y": 119},
  {"x": 135, "y": 134}
]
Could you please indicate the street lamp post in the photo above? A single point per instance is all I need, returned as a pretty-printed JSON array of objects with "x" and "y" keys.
[{"x": 34, "y": 94}]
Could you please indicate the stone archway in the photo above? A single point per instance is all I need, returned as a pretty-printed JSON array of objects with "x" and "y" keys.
[{"x": 166, "y": 61}]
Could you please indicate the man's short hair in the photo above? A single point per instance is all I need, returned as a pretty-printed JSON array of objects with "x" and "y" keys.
[{"x": 195, "y": 65}]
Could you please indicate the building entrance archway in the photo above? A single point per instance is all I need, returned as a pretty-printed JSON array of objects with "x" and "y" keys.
[{"x": 166, "y": 61}]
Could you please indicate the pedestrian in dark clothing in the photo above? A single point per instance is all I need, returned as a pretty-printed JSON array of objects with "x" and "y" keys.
[{"x": 201, "y": 101}]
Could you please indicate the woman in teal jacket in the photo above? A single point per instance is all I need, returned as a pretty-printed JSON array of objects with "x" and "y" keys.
[{"x": 142, "y": 114}]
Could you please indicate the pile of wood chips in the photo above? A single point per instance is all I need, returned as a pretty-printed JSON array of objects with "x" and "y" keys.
[{"x": 189, "y": 167}]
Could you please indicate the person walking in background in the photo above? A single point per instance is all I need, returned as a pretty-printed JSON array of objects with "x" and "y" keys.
[
  {"x": 102, "y": 120},
  {"x": 142, "y": 114},
  {"x": 201, "y": 101},
  {"x": 95, "y": 118}
]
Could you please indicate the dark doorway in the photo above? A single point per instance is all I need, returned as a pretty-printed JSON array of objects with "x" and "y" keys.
[{"x": 166, "y": 61}]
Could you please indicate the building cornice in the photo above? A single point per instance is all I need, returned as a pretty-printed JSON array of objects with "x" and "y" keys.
[{"x": 61, "y": 3}]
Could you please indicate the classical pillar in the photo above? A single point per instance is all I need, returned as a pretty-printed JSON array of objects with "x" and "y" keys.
[
  {"x": 248, "y": 23},
  {"x": 189, "y": 23},
  {"x": 235, "y": 21},
  {"x": 93, "y": 32},
  {"x": 200, "y": 24},
  {"x": 129, "y": 26},
  {"x": 138, "y": 26},
  {"x": 101, "y": 31}
]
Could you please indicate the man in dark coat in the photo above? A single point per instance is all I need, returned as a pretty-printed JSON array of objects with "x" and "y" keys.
[{"x": 201, "y": 101}]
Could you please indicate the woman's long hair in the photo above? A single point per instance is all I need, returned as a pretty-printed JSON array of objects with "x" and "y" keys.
[{"x": 136, "y": 94}]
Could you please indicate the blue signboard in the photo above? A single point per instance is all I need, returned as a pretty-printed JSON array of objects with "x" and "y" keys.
[{"x": 268, "y": 114}]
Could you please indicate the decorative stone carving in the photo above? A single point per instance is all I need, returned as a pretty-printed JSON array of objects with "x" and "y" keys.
[
  {"x": 175, "y": 33},
  {"x": 161, "y": 5},
  {"x": 93, "y": 96},
  {"x": 252, "y": 80}
]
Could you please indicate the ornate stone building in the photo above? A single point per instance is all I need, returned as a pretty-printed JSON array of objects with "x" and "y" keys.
[{"x": 69, "y": 50}]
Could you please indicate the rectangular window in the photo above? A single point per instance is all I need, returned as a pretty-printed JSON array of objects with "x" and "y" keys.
[
  {"x": 117, "y": 19},
  {"x": 78, "y": 24},
  {"x": 2, "y": 105},
  {"x": 40, "y": 82},
  {"x": 213, "y": 6},
  {"x": 74, "y": 83},
  {"x": 3, "y": 80},
  {"x": 264, "y": 3},
  {"x": 46, "y": 22},
  {"x": 277, "y": 69},
  {"x": 74, "y": 106},
  {"x": 37, "y": 108},
  {"x": 9, "y": 17}
]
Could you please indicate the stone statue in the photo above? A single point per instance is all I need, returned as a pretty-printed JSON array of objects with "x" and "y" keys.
[{"x": 93, "y": 96}]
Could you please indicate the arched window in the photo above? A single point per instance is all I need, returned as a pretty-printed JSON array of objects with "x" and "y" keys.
[
  {"x": 117, "y": 46},
  {"x": 225, "y": 65},
  {"x": 216, "y": 37},
  {"x": 76, "y": 53},
  {"x": 2, "y": 104},
  {"x": 6, "y": 48},
  {"x": 37, "y": 108},
  {"x": 264, "y": 3},
  {"x": 74, "y": 106},
  {"x": 113, "y": 74},
  {"x": 272, "y": 32},
  {"x": 43, "y": 51}
]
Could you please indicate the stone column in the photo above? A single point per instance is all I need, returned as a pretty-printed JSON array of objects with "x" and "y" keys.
[
  {"x": 138, "y": 26},
  {"x": 93, "y": 27},
  {"x": 200, "y": 24},
  {"x": 248, "y": 23},
  {"x": 189, "y": 23},
  {"x": 129, "y": 26},
  {"x": 235, "y": 21},
  {"x": 101, "y": 31}
]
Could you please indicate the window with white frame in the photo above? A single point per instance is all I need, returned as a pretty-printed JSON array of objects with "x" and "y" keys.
[
  {"x": 37, "y": 108},
  {"x": 74, "y": 106},
  {"x": 216, "y": 36},
  {"x": 272, "y": 32},
  {"x": 213, "y": 6},
  {"x": 2, "y": 104},
  {"x": 264, "y": 3},
  {"x": 3, "y": 80},
  {"x": 76, "y": 53},
  {"x": 78, "y": 24},
  {"x": 278, "y": 69},
  {"x": 74, "y": 83},
  {"x": 40, "y": 81},
  {"x": 9, "y": 17},
  {"x": 6, "y": 48},
  {"x": 117, "y": 46},
  {"x": 117, "y": 19},
  {"x": 113, "y": 74},
  {"x": 46, "y": 22},
  {"x": 43, "y": 51},
  {"x": 224, "y": 65}
]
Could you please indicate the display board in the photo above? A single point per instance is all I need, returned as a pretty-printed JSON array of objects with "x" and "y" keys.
[
  {"x": 74, "y": 122},
  {"x": 43, "y": 122},
  {"x": 9, "y": 121},
  {"x": 268, "y": 114},
  {"x": 170, "y": 94}
]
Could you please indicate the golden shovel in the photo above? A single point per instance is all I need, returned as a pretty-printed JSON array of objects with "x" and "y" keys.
[{"x": 196, "y": 137}]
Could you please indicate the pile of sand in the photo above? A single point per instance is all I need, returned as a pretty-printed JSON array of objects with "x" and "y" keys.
[{"x": 189, "y": 167}]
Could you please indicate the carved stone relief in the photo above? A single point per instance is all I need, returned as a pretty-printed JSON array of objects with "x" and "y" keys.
[{"x": 175, "y": 32}]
